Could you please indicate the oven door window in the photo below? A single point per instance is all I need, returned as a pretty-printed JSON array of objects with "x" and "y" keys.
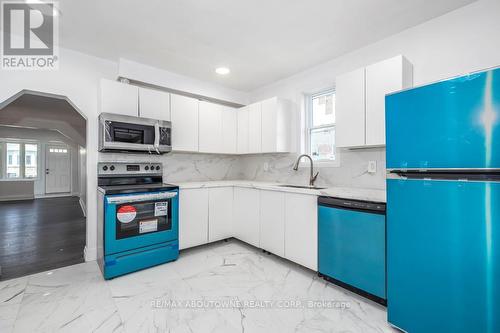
[{"x": 134, "y": 219}]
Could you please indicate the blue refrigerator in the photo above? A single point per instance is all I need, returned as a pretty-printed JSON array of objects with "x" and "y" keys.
[{"x": 443, "y": 206}]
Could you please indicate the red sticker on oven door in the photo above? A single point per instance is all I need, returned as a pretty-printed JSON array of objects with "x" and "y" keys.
[{"x": 126, "y": 214}]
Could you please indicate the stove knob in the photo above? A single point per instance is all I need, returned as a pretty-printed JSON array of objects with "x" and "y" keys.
[
  {"x": 112, "y": 167},
  {"x": 105, "y": 168},
  {"x": 146, "y": 167},
  {"x": 157, "y": 167}
]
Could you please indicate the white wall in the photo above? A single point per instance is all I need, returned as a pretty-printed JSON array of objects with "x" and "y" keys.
[
  {"x": 140, "y": 72},
  {"x": 82, "y": 162},
  {"x": 78, "y": 79},
  {"x": 16, "y": 190},
  {"x": 461, "y": 41}
]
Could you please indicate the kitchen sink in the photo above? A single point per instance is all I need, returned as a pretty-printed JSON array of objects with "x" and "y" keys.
[{"x": 305, "y": 187}]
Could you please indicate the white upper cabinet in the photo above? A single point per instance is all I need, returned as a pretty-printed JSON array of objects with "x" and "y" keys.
[
  {"x": 229, "y": 130},
  {"x": 243, "y": 129},
  {"x": 255, "y": 128},
  {"x": 360, "y": 101},
  {"x": 154, "y": 104},
  {"x": 210, "y": 127},
  {"x": 220, "y": 208},
  {"x": 184, "y": 113},
  {"x": 276, "y": 125},
  {"x": 301, "y": 229},
  {"x": 381, "y": 79},
  {"x": 272, "y": 222},
  {"x": 121, "y": 98},
  {"x": 350, "y": 109},
  {"x": 193, "y": 217},
  {"x": 218, "y": 128},
  {"x": 200, "y": 126}
]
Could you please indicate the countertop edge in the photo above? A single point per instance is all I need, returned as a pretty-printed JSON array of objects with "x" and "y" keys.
[{"x": 375, "y": 195}]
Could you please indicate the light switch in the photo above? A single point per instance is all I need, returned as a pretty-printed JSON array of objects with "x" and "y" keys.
[{"x": 372, "y": 167}]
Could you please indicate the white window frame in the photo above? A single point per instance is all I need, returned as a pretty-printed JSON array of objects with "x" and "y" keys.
[
  {"x": 308, "y": 128},
  {"x": 22, "y": 162}
]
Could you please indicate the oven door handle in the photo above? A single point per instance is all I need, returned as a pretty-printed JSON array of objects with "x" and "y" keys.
[{"x": 121, "y": 199}]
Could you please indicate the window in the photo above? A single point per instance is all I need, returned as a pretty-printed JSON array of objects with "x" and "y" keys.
[
  {"x": 20, "y": 158},
  {"x": 31, "y": 158},
  {"x": 320, "y": 118},
  {"x": 57, "y": 150},
  {"x": 13, "y": 167}
]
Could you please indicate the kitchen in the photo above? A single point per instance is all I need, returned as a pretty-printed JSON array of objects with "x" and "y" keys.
[{"x": 234, "y": 180}]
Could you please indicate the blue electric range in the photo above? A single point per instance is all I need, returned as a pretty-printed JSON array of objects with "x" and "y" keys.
[{"x": 137, "y": 218}]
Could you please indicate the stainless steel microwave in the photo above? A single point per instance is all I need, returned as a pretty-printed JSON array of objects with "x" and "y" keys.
[{"x": 133, "y": 134}]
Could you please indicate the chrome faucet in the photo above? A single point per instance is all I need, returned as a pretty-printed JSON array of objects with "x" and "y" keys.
[{"x": 312, "y": 178}]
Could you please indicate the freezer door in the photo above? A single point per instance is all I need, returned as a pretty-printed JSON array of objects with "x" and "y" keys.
[
  {"x": 450, "y": 124},
  {"x": 443, "y": 251}
]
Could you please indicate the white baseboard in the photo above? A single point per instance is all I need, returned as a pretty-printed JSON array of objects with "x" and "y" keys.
[
  {"x": 84, "y": 208},
  {"x": 17, "y": 197},
  {"x": 90, "y": 253},
  {"x": 55, "y": 195}
]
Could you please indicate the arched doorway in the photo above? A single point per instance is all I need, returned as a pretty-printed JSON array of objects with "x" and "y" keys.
[{"x": 42, "y": 184}]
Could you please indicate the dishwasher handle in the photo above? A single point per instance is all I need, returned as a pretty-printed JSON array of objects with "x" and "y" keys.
[{"x": 351, "y": 204}]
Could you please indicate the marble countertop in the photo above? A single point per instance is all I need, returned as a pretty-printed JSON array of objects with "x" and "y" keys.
[{"x": 338, "y": 192}]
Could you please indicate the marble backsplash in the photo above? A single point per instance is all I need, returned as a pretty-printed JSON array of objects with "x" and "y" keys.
[
  {"x": 352, "y": 171},
  {"x": 184, "y": 167}
]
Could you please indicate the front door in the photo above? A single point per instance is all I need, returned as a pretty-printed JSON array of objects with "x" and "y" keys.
[{"x": 57, "y": 169}]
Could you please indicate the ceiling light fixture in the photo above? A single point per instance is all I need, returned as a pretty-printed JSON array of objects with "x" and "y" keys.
[{"x": 222, "y": 70}]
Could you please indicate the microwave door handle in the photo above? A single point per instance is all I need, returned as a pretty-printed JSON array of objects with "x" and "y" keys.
[{"x": 157, "y": 136}]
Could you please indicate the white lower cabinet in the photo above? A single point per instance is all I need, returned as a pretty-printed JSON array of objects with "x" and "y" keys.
[
  {"x": 282, "y": 223},
  {"x": 272, "y": 222},
  {"x": 220, "y": 213},
  {"x": 301, "y": 229},
  {"x": 247, "y": 215},
  {"x": 193, "y": 217}
]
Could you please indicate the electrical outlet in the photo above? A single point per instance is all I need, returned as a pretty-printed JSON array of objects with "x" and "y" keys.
[
  {"x": 372, "y": 167},
  {"x": 266, "y": 166}
]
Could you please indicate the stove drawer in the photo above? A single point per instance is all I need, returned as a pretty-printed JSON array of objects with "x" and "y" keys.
[{"x": 131, "y": 261}]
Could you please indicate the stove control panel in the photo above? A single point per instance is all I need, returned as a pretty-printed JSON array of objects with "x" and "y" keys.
[{"x": 125, "y": 168}]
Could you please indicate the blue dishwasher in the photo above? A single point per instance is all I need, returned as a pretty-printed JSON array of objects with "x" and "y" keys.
[{"x": 351, "y": 245}]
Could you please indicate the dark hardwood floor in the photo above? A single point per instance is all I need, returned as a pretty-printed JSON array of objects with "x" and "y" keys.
[{"x": 41, "y": 234}]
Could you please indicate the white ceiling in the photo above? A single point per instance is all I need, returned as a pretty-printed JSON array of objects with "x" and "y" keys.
[
  {"x": 41, "y": 112},
  {"x": 260, "y": 40}
]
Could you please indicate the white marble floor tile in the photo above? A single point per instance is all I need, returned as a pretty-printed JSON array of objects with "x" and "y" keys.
[
  {"x": 221, "y": 287},
  {"x": 72, "y": 299},
  {"x": 11, "y": 295}
]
